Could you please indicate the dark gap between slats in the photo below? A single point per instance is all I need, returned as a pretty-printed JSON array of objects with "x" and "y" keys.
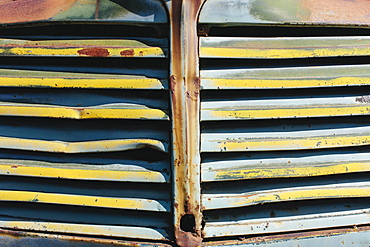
[
  {"x": 231, "y": 63},
  {"x": 103, "y": 30},
  {"x": 282, "y": 31}
]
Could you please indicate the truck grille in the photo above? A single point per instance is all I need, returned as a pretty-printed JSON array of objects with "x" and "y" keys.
[
  {"x": 84, "y": 130},
  {"x": 285, "y": 131}
]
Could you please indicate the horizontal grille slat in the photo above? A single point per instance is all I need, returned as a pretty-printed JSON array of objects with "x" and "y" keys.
[
  {"x": 297, "y": 47},
  {"x": 288, "y": 77},
  {"x": 108, "y": 231},
  {"x": 126, "y": 79},
  {"x": 135, "y": 47},
  {"x": 279, "y": 165}
]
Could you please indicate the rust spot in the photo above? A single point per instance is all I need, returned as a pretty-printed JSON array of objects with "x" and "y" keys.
[
  {"x": 363, "y": 99},
  {"x": 14, "y": 166},
  {"x": 187, "y": 239},
  {"x": 94, "y": 52},
  {"x": 172, "y": 83},
  {"x": 141, "y": 53},
  {"x": 127, "y": 53}
]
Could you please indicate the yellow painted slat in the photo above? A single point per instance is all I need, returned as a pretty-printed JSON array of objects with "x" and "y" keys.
[
  {"x": 229, "y": 52},
  {"x": 84, "y": 229},
  {"x": 302, "y": 47},
  {"x": 293, "y": 194},
  {"x": 119, "y": 83},
  {"x": 82, "y": 112},
  {"x": 81, "y": 200},
  {"x": 84, "y": 174},
  {"x": 85, "y": 51},
  {"x": 80, "y": 147},
  {"x": 231, "y": 144},
  {"x": 84, "y": 48},
  {"x": 277, "y": 172},
  {"x": 285, "y": 112},
  {"x": 225, "y": 83}
]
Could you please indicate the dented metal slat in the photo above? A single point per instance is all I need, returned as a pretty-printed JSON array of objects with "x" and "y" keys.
[
  {"x": 109, "y": 111},
  {"x": 81, "y": 147},
  {"x": 123, "y": 173},
  {"x": 285, "y": 108},
  {"x": 127, "y": 79},
  {"x": 287, "y": 224},
  {"x": 286, "y": 77},
  {"x": 296, "y": 47},
  {"x": 84, "y": 229},
  {"x": 283, "y": 166},
  {"x": 134, "y": 47},
  {"x": 342, "y": 190},
  {"x": 288, "y": 140},
  {"x": 80, "y": 200}
]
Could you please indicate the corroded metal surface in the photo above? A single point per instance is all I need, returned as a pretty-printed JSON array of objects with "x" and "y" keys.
[
  {"x": 357, "y": 236},
  {"x": 286, "y": 11},
  {"x": 185, "y": 111}
]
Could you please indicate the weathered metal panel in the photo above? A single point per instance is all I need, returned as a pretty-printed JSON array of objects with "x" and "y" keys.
[
  {"x": 292, "y": 47},
  {"x": 140, "y": 11},
  {"x": 227, "y": 12}
]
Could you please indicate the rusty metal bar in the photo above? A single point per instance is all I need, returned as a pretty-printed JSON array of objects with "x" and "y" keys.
[{"x": 185, "y": 114}]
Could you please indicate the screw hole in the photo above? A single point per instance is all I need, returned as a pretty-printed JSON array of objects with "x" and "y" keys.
[{"x": 187, "y": 223}]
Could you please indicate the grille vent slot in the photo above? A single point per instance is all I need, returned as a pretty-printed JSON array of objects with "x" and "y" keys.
[
  {"x": 84, "y": 130},
  {"x": 284, "y": 129}
]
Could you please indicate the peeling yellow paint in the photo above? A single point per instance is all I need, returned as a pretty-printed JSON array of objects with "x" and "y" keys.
[
  {"x": 71, "y": 173},
  {"x": 81, "y": 113},
  {"x": 283, "y": 83},
  {"x": 80, "y": 200},
  {"x": 229, "y": 52},
  {"x": 79, "y": 147},
  {"x": 307, "y": 111},
  {"x": 302, "y": 194},
  {"x": 293, "y": 143},
  {"x": 275, "y": 172}
]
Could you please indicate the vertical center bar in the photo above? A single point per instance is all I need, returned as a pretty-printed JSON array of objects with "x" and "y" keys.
[{"x": 184, "y": 83}]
